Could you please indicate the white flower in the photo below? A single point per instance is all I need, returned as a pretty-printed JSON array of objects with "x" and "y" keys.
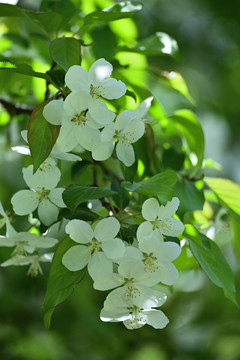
[
  {"x": 100, "y": 246},
  {"x": 95, "y": 82},
  {"x": 133, "y": 278},
  {"x": 5, "y": 220},
  {"x": 33, "y": 260},
  {"x": 159, "y": 219},
  {"x": 43, "y": 195},
  {"x": 142, "y": 109},
  {"x": 25, "y": 242},
  {"x": 127, "y": 130},
  {"x": 118, "y": 307},
  {"x": 80, "y": 117}
]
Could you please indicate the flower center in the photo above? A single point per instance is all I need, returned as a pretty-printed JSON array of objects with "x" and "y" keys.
[
  {"x": 130, "y": 290},
  {"x": 95, "y": 245},
  {"x": 136, "y": 320},
  {"x": 80, "y": 119},
  {"x": 35, "y": 268},
  {"x": 19, "y": 249},
  {"x": 43, "y": 193},
  {"x": 150, "y": 262},
  {"x": 96, "y": 91}
]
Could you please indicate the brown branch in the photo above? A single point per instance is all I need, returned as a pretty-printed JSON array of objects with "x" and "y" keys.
[{"x": 15, "y": 109}]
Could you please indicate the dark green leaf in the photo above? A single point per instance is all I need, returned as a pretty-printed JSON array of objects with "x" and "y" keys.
[
  {"x": 122, "y": 10},
  {"x": 209, "y": 256},
  {"x": 57, "y": 76},
  {"x": 131, "y": 94},
  {"x": 63, "y": 7},
  {"x": 228, "y": 194},
  {"x": 160, "y": 185},
  {"x": 190, "y": 128},
  {"x": 190, "y": 197},
  {"x": 81, "y": 212},
  {"x": 41, "y": 136},
  {"x": 101, "y": 36},
  {"x": 10, "y": 10},
  {"x": 66, "y": 52},
  {"x": 75, "y": 195},
  {"x": 173, "y": 158},
  {"x": 122, "y": 198},
  {"x": 61, "y": 281}
]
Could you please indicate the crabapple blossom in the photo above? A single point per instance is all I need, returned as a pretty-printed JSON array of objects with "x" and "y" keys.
[
  {"x": 159, "y": 220},
  {"x": 127, "y": 130},
  {"x": 99, "y": 246},
  {"x": 43, "y": 194},
  {"x": 118, "y": 307},
  {"x": 95, "y": 82}
]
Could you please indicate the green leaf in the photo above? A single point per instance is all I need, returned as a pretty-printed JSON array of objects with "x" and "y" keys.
[
  {"x": 7, "y": 10},
  {"x": 75, "y": 194},
  {"x": 228, "y": 194},
  {"x": 122, "y": 198},
  {"x": 190, "y": 128},
  {"x": 66, "y": 51},
  {"x": 61, "y": 281},
  {"x": 190, "y": 197},
  {"x": 156, "y": 44},
  {"x": 173, "y": 158},
  {"x": 160, "y": 185},
  {"x": 63, "y": 7},
  {"x": 41, "y": 136},
  {"x": 122, "y": 10},
  {"x": 131, "y": 94},
  {"x": 210, "y": 258}
]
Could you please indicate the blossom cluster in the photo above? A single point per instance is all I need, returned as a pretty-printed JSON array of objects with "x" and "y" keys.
[
  {"x": 129, "y": 270},
  {"x": 132, "y": 270},
  {"x": 86, "y": 120}
]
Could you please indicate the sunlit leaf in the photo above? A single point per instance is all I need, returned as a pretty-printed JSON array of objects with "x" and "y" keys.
[
  {"x": 210, "y": 258},
  {"x": 118, "y": 11},
  {"x": 61, "y": 281},
  {"x": 41, "y": 136},
  {"x": 228, "y": 194}
]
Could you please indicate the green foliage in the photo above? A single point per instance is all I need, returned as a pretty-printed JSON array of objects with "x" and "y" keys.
[
  {"x": 121, "y": 199},
  {"x": 61, "y": 281},
  {"x": 75, "y": 195},
  {"x": 41, "y": 136},
  {"x": 212, "y": 261},
  {"x": 228, "y": 194},
  {"x": 66, "y": 52}
]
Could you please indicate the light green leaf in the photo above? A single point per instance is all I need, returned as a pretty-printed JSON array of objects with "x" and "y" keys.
[
  {"x": 228, "y": 194},
  {"x": 75, "y": 194},
  {"x": 61, "y": 281},
  {"x": 41, "y": 136},
  {"x": 160, "y": 185},
  {"x": 210, "y": 258},
  {"x": 122, "y": 10},
  {"x": 191, "y": 130},
  {"x": 66, "y": 51}
]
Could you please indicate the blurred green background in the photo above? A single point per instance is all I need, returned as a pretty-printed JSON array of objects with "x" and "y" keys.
[{"x": 203, "y": 324}]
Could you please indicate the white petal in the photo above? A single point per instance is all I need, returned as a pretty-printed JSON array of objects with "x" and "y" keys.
[
  {"x": 77, "y": 257},
  {"x": 47, "y": 176},
  {"x": 107, "y": 133},
  {"x": 47, "y": 212},
  {"x": 125, "y": 153},
  {"x": 76, "y": 102},
  {"x": 134, "y": 131},
  {"x": 106, "y": 229},
  {"x": 79, "y": 231},
  {"x": 107, "y": 282},
  {"x": 123, "y": 119},
  {"x": 24, "y": 202},
  {"x": 5, "y": 241},
  {"x": 156, "y": 318},
  {"x": 77, "y": 79},
  {"x": 67, "y": 140},
  {"x": 150, "y": 209},
  {"x": 149, "y": 244},
  {"x": 102, "y": 150},
  {"x": 54, "y": 112},
  {"x": 113, "y": 89},
  {"x": 35, "y": 240},
  {"x": 142, "y": 109},
  {"x": 148, "y": 298},
  {"x": 169, "y": 209},
  {"x": 55, "y": 196},
  {"x": 100, "y": 112},
  {"x": 99, "y": 265},
  {"x": 113, "y": 249},
  {"x": 121, "y": 314},
  {"x": 58, "y": 154},
  {"x": 130, "y": 253},
  {"x": 171, "y": 227},
  {"x": 131, "y": 269},
  {"x": 87, "y": 137},
  {"x": 145, "y": 229},
  {"x": 167, "y": 250},
  {"x": 99, "y": 71},
  {"x": 167, "y": 273}
]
